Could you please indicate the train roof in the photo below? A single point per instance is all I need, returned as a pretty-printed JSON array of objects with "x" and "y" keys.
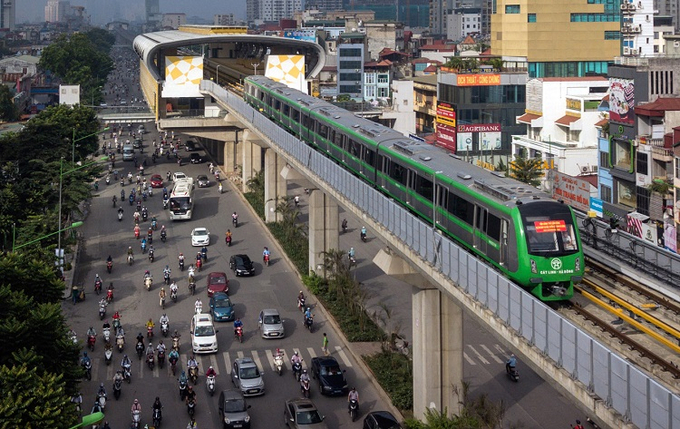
[{"x": 495, "y": 185}]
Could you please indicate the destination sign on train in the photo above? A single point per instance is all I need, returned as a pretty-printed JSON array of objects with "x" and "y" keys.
[{"x": 550, "y": 226}]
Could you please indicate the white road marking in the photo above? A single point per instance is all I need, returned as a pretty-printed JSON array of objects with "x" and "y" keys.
[
  {"x": 493, "y": 356},
  {"x": 479, "y": 356},
  {"x": 343, "y": 356}
]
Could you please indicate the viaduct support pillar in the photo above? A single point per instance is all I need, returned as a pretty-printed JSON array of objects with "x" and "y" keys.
[
  {"x": 252, "y": 158},
  {"x": 323, "y": 229},
  {"x": 437, "y": 339},
  {"x": 275, "y": 186},
  {"x": 231, "y": 151}
]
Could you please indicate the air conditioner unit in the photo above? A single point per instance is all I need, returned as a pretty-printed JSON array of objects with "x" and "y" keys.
[
  {"x": 634, "y": 51},
  {"x": 585, "y": 169},
  {"x": 635, "y": 29},
  {"x": 626, "y": 50},
  {"x": 624, "y": 6}
]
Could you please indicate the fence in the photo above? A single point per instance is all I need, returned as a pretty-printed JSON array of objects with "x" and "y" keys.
[{"x": 632, "y": 393}]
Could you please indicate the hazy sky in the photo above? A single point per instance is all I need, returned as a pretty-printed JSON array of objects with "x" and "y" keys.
[{"x": 103, "y": 11}]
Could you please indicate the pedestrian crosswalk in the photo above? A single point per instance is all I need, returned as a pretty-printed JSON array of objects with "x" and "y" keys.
[
  {"x": 220, "y": 361},
  {"x": 473, "y": 355}
]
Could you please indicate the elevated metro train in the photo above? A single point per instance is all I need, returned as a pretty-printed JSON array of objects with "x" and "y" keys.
[{"x": 520, "y": 230}]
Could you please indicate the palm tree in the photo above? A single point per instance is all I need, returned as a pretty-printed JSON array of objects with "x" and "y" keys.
[{"x": 527, "y": 170}]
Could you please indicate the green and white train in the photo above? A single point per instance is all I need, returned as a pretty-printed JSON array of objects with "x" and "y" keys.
[{"x": 520, "y": 230}]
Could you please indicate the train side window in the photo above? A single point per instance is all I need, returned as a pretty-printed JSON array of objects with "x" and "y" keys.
[
  {"x": 286, "y": 110},
  {"x": 296, "y": 115},
  {"x": 354, "y": 148},
  {"x": 423, "y": 186},
  {"x": 262, "y": 96},
  {"x": 383, "y": 164},
  {"x": 398, "y": 173},
  {"x": 493, "y": 227},
  {"x": 369, "y": 156},
  {"x": 305, "y": 121},
  {"x": 277, "y": 104},
  {"x": 337, "y": 140},
  {"x": 461, "y": 208},
  {"x": 323, "y": 131}
]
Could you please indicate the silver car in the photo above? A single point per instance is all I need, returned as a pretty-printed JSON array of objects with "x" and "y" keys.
[
  {"x": 270, "y": 324},
  {"x": 247, "y": 377}
]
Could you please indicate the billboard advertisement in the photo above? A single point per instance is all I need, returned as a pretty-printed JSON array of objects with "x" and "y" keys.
[
  {"x": 287, "y": 69},
  {"x": 301, "y": 34},
  {"x": 464, "y": 142},
  {"x": 621, "y": 100},
  {"x": 183, "y": 74},
  {"x": 572, "y": 190},
  {"x": 478, "y": 79},
  {"x": 446, "y": 114},
  {"x": 490, "y": 141},
  {"x": 446, "y": 137}
]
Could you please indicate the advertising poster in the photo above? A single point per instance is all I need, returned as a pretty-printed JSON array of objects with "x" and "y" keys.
[
  {"x": 669, "y": 238},
  {"x": 621, "y": 100},
  {"x": 464, "y": 142},
  {"x": 574, "y": 191},
  {"x": 491, "y": 141},
  {"x": 287, "y": 69},
  {"x": 446, "y": 137},
  {"x": 301, "y": 34},
  {"x": 183, "y": 75},
  {"x": 446, "y": 114}
]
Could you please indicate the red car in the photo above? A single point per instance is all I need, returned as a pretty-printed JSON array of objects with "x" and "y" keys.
[
  {"x": 217, "y": 282},
  {"x": 156, "y": 181}
]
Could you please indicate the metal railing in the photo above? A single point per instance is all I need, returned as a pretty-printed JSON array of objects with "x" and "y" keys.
[{"x": 626, "y": 389}]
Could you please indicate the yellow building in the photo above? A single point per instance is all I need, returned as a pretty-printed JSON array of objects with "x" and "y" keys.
[{"x": 557, "y": 38}]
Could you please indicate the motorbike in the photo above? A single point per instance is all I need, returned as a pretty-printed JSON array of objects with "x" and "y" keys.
[
  {"x": 120, "y": 216},
  {"x": 148, "y": 282},
  {"x": 175, "y": 343},
  {"x": 181, "y": 264},
  {"x": 136, "y": 419},
  {"x": 512, "y": 373},
  {"x": 145, "y": 215},
  {"x": 117, "y": 384},
  {"x": 234, "y": 221},
  {"x": 161, "y": 358},
  {"x": 109, "y": 266},
  {"x": 151, "y": 257},
  {"x": 219, "y": 188},
  {"x": 98, "y": 287},
  {"x": 210, "y": 384},
  {"x": 116, "y": 323},
  {"x": 227, "y": 239},
  {"x": 106, "y": 333},
  {"x": 136, "y": 231},
  {"x": 363, "y": 236},
  {"x": 165, "y": 204},
  {"x": 173, "y": 365},
  {"x": 157, "y": 417},
  {"x": 344, "y": 226},
  {"x": 199, "y": 264},
  {"x": 164, "y": 236},
  {"x": 309, "y": 323},
  {"x": 278, "y": 363},
  {"x": 149, "y": 332},
  {"x": 108, "y": 354},
  {"x": 353, "y": 408},
  {"x": 173, "y": 293},
  {"x": 88, "y": 369},
  {"x": 193, "y": 374},
  {"x": 166, "y": 278},
  {"x": 165, "y": 328},
  {"x": 150, "y": 361},
  {"x": 192, "y": 287},
  {"x": 239, "y": 334},
  {"x": 297, "y": 370},
  {"x": 182, "y": 389},
  {"x": 204, "y": 255},
  {"x": 301, "y": 304},
  {"x": 130, "y": 259},
  {"x": 154, "y": 225},
  {"x": 140, "y": 349},
  {"x": 143, "y": 247},
  {"x": 127, "y": 373},
  {"x": 304, "y": 388},
  {"x": 120, "y": 342},
  {"x": 131, "y": 198},
  {"x": 191, "y": 407},
  {"x": 91, "y": 339},
  {"x": 265, "y": 258},
  {"x": 101, "y": 399},
  {"x": 102, "y": 308},
  {"x": 108, "y": 182}
]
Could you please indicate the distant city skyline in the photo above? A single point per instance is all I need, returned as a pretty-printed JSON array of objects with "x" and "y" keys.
[{"x": 103, "y": 11}]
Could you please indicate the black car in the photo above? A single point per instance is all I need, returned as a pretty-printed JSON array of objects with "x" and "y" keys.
[
  {"x": 203, "y": 181},
  {"x": 196, "y": 158},
  {"x": 190, "y": 145},
  {"x": 241, "y": 265},
  {"x": 331, "y": 378},
  {"x": 137, "y": 144},
  {"x": 381, "y": 420}
]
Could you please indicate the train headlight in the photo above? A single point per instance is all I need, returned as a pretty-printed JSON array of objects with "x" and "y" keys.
[
  {"x": 577, "y": 265},
  {"x": 534, "y": 269}
]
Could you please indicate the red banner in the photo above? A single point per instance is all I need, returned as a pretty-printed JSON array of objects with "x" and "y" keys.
[{"x": 446, "y": 137}]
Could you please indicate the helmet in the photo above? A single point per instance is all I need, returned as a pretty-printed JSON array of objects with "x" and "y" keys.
[
  {"x": 157, "y": 398},
  {"x": 181, "y": 254},
  {"x": 124, "y": 356},
  {"x": 106, "y": 321},
  {"x": 101, "y": 385},
  {"x": 163, "y": 313},
  {"x": 136, "y": 401},
  {"x": 162, "y": 289},
  {"x": 210, "y": 367},
  {"x": 278, "y": 350},
  {"x": 296, "y": 353},
  {"x": 191, "y": 388},
  {"x": 308, "y": 309},
  {"x": 578, "y": 422},
  {"x": 304, "y": 371},
  {"x": 84, "y": 354},
  {"x": 166, "y": 267}
]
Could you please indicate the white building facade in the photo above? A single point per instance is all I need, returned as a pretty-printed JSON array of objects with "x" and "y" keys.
[
  {"x": 463, "y": 22},
  {"x": 637, "y": 27},
  {"x": 560, "y": 116}
]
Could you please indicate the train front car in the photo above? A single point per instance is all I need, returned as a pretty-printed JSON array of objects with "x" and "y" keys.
[{"x": 551, "y": 256}]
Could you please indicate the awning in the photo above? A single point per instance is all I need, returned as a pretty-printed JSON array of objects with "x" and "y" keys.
[
  {"x": 535, "y": 121},
  {"x": 601, "y": 123},
  {"x": 569, "y": 121}
]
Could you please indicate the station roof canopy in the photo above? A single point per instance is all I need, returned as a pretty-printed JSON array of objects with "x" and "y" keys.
[{"x": 149, "y": 45}]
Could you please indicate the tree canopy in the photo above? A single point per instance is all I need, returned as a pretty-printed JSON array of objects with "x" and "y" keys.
[
  {"x": 527, "y": 170},
  {"x": 8, "y": 110}
]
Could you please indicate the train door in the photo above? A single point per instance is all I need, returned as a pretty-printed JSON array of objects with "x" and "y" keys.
[
  {"x": 503, "y": 258},
  {"x": 480, "y": 229}
]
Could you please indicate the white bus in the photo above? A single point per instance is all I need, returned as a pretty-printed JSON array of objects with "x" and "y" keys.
[{"x": 181, "y": 203}]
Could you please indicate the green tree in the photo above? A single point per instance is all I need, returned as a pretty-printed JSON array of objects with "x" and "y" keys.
[
  {"x": 103, "y": 40},
  {"x": 527, "y": 170},
  {"x": 8, "y": 110},
  {"x": 33, "y": 399}
]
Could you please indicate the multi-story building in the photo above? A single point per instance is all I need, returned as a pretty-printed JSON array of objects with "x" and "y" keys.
[
  {"x": 438, "y": 9},
  {"x": 637, "y": 27},
  {"x": 57, "y": 10},
  {"x": 669, "y": 8},
  {"x": 224, "y": 19},
  {"x": 381, "y": 35},
  {"x": 324, "y": 5},
  {"x": 8, "y": 12},
  {"x": 377, "y": 81},
  {"x": 663, "y": 26},
  {"x": 351, "y": 49},
  {"x": 584, "y": 35},
  {"x": 463, "y": 22},
  {"x": 274, "y": 10},
  {"x": 173, "y": 20},
  {"x": 153, "y": 13},
  {"x": 560, "y": 119},
  {"x": 252, "y": 10},
  {"x": 402, "y": 112}
]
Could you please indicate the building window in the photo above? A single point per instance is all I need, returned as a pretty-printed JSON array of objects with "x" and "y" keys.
[
  {"x": 531, "y": 17},
  {"x": 621, "y": 154},
  {"x": 626, "y": 194},
  {"x": 383, "y": 92},
  {"x": 612, "y": 35},
  {"x": 350, "y": 52},
  {"x": 604, "y": 159},
  {"x": 345, "y": 65},
  {"x": 369, "y": 78},
  {"x": 606, "y": 193},
  {"x": 383, "y": 78},
  {"x": 512, "y": 9},
  {"x": 642, "y": 164},
  {"x": 643, "y": 200}
]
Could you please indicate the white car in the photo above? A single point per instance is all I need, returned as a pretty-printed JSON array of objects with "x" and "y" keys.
[
  {"x": 200, "y": 237},
  {"x": 203, "y": 334},
  {"x": 178, "y": 175}
]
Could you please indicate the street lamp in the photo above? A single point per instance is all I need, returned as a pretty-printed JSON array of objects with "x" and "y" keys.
[
  {"x": 90, "y": 419},
  {"x": 254, "y": 67},
  {"x": 14, "y": 247},
  {"x": 93, "y": 92},
  {"x": 74, "y": 141},
  {"x": 62, "y": 173}
]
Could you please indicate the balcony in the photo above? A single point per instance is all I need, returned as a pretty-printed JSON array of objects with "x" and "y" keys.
[{"x": 662, "y": 154}]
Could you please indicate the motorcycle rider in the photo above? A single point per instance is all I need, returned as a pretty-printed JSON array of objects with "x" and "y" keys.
[
  {"x": 234, "y": 218},
  {"x": 296, "y": 358},
  {"x": 85, "y": 359},
  {"x": 162, "y": 295},
  {"x": 91, "y": 332},
  {"x": 180, "y": 258},
  {"x": 265, "y": 253},
  {"x": 164, "y": 319},
  {"x": 510, "y": 364},
  {"x": 191, "y": 363},
  {"x": 149, "y": 349},
  {"x": 106, "y": 325},
  {"x": 140, "y": 338},
  {"x": 304, "y": 377},
  {"x": 118, "y": 377},
  {"x": 101, "y": 391},
  {"x": 308, "y": 313},
  {"x": 237, "y": 324},
  {"x": 227, "y": 236},
  {"x": 125, "y": 362},
  {"x": 300, "y": 298},
  {"x": 211, "y": 372},
  {"x": 157, "y": 405},
  {"x": 191, "y": 395},
  {"x": 198, "y": 306},
  {"x": 130, "y": 252},
  {"x": 161, "y": 347},
  {"x": 167, "y": 271},
  {"x": 351, "y": 253},
  {"x": 173, "y": 356},
  {"x": 204, "y": 253},
  {"x": 344, "y": 225},
  {"x": 136, "y": 406},
  {"x": 150, "y": 325},
  {"x": 353, "y": 395}
]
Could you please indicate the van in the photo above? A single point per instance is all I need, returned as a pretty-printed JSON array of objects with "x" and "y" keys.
[
  {"x": 128, "y": 153},
  {"x": 203, "y": 334}
]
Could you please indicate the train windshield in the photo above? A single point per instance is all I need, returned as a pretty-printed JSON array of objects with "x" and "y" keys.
[{"x": 549, "y": 229}]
